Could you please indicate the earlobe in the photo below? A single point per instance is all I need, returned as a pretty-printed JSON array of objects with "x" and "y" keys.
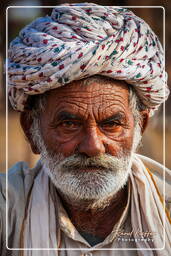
[
  {"x": 144, "y": 120},
  {"x": 26, "y": 122}
]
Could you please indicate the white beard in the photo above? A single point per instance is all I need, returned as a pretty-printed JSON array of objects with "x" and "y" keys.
[{"x": 89, "y": 185}]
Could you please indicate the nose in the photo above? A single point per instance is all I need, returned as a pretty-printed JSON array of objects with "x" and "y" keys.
[{"x": 92, "y": 143}]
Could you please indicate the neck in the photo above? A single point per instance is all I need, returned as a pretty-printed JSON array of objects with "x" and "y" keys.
[{"x": 90, "y": 218}]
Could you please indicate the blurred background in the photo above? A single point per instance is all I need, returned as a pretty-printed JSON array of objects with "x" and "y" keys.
[{"x": 18, "y": 148}]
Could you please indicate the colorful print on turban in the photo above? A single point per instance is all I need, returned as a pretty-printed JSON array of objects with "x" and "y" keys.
[{"x": 81, "y": 40}]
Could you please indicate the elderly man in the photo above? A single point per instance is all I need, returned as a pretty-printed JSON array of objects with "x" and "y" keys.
[{"x": 86, "y": 81}]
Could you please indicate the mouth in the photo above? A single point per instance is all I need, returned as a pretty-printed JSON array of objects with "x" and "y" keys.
[{"x": 90, "y": 168}]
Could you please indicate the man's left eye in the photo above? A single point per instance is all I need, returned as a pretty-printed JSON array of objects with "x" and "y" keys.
[{"x": 111, "y": 124}]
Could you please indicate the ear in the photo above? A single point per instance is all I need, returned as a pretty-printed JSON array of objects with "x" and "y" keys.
[
  {"x": 144, "y": 119},
  {"x": 26, "y": 122}
]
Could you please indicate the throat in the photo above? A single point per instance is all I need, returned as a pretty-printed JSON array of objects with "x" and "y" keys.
[{"x": 95, "y": 224}]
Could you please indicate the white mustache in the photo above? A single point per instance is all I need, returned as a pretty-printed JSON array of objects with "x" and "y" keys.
[{"x": 79, "y": 161}]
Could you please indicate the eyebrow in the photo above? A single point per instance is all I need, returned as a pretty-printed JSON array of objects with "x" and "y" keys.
[
  {"x": 64, "y": 115},
  {"x": 116, "y": 117}
]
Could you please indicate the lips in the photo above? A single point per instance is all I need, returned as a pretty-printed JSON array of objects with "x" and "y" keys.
[{"x": 90, "y": 168}]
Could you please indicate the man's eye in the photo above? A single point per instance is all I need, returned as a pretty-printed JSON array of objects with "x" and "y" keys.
[
  {"x": 70, "y": 124},
  {"x": 111, "y": 124}
]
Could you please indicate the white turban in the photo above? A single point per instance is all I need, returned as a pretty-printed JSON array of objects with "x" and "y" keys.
[{"x": 81, "y": 40}]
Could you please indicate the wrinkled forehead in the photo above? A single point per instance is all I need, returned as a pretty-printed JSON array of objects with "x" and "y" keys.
[
  {"x": 92, "y": 88},
  {"x": 89, "y": 96}
]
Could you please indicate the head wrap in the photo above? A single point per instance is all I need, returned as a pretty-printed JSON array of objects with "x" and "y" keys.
[{"x": 81, "y": 40}]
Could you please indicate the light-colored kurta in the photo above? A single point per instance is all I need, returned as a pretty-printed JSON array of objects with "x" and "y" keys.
[{"x": 22, "y": 182}]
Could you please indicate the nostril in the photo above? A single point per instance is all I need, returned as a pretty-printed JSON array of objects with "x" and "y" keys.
[
  {"x": 81, "y": 154},
  {"x": 107, "y": 150}
]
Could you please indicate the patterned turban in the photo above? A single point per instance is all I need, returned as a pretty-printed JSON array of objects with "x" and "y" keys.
[{"x": 82, "y": 40}]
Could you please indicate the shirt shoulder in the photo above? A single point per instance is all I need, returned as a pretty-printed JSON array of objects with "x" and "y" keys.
[
  {"x": 17, "y": 183},
  {"x": 161, "y": 176},
  {"x": 18, "y": 178}
]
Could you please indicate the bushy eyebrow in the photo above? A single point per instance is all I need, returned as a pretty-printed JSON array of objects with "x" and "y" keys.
[
  {"x": 119, "y": 116},
  {"x": 64, "y": 115}
]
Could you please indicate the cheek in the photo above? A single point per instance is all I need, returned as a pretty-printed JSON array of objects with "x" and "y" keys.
[
  {"x": 67, "y": 148},
  {"x": 56, "y": 144},
  {"x": 116, "y": 146}
]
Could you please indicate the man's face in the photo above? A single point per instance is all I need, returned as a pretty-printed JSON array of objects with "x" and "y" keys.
[
  {"x": 91, "y": 120},
  {"x": 87, "y": 134}
]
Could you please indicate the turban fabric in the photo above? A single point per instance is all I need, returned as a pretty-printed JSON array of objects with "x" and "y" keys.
[{"x": 82, "y": 40}]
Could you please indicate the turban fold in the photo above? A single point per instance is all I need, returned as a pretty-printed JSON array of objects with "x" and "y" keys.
[{"x": 82, "y": 40}]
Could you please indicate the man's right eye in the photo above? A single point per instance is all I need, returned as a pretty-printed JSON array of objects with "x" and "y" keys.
[{"x": 70, "y": 124}]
